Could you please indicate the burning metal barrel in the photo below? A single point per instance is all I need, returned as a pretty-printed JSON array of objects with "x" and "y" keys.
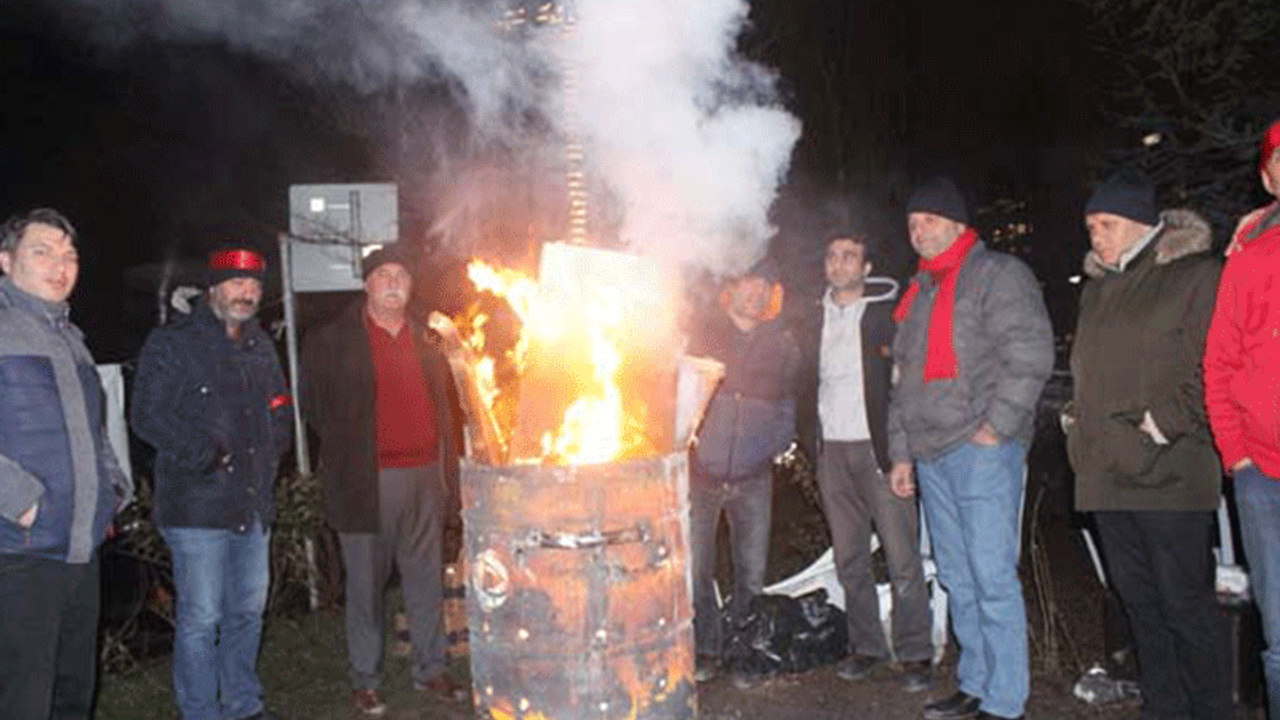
[
  {"x": 578, "y": 594},
  {"x": 575, "y": 491}
]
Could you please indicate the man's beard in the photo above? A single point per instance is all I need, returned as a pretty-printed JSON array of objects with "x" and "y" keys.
[{"x": 239, "y": 310}]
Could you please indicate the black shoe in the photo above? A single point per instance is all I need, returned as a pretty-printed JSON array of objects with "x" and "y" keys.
[
  {"x": 705, "y": 667},
  {"x": 917, "y": 675},
  {"x": 983, "y": 715},
  {"x": 857, "y": 667},
  {"x": 960, "y": 706}
]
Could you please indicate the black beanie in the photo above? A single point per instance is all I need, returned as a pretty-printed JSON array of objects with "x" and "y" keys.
[
  {"x": 392, "y": 253},
  {"x": 939, "y": 196},
  {"x": 233, "y": 261},
  {"x": 1126, "y": 194}
]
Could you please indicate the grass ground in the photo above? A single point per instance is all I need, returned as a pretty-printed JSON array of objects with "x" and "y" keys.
[
  {"x": 303, "y": 662},
  {"x": 304, "y": 672}
]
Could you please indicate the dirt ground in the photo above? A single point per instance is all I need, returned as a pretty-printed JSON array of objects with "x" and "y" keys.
[{"x": 1066, "y": 639}]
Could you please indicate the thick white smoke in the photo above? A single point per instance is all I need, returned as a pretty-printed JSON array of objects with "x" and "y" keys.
[{"x": 687, "y": 137}]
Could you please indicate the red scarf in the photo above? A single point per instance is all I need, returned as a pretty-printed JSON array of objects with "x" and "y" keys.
[{"x": 940, "y": 358}]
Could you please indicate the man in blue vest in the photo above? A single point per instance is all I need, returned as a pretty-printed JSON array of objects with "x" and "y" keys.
[{"x": 60, "y": 484}]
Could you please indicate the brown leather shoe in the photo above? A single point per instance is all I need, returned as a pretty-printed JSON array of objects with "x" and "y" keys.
[
  {"x": 368, "y": 703},
  {"x": 444, "y": 686}
]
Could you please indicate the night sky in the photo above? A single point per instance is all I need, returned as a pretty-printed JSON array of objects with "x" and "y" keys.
[{"x": 158, "y": 150}]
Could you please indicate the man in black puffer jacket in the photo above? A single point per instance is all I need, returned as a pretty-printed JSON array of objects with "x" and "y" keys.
[
  {"x": 210, "y": 396},
  {"x": 750, "y": 419}
]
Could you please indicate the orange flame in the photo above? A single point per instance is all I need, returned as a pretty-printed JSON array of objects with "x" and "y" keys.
[{"x": 585, "y": 343}]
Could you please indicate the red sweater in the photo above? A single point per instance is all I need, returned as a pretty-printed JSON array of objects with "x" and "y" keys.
[
  {"x": 1242, "y": 356},
  {"x": 405, "y": 416}
]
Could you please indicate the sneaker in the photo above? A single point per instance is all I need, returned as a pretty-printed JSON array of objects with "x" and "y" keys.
[
  {"x": 1097, "y": 687},
  {"x": 367, "y": 702},
  {"x": 960, "y": 706},
  {"x": 705, "y": 667},
  {"x": 917, "y": 675},
  {"x": 857, "y": 667}
]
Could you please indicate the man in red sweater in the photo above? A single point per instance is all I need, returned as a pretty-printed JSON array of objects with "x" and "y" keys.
[
  {"x": 1242, "y": 393},
  {"x": 375, "y": 389}
]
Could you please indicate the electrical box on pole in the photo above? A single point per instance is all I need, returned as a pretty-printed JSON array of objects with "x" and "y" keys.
[{"x": 333, "y": 227}]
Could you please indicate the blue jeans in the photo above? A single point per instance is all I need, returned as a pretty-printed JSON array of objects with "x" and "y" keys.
[
  {"x": 971, "y": 496},
  {"x": 220, "y": 579},
  {"x": 748, "y": 506},
  {"x": 1258, "y": 506}
]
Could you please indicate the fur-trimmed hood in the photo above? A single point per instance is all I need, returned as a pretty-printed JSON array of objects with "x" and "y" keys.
[{"x": 1184, "y": 233}]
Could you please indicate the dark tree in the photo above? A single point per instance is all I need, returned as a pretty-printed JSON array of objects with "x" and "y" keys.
[{"x": 1194, "y": 82}]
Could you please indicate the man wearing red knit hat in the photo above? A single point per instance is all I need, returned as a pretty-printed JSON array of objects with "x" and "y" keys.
[
  {"x": 1242, "y": 394},
  {"x": 973, "y": 350},
  {"x": 210, "y": 396}
]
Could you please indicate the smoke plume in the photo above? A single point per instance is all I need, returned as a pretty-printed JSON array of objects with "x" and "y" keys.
[{"x": 684, "y": 140}]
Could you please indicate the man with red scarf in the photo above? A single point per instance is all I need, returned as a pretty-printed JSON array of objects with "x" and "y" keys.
[
  {"x": 1242, "y": 393},
  {"x": 973, "y": 350}
]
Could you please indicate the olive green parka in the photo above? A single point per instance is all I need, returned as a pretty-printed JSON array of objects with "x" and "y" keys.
[{"x": 1137, "y": 348}]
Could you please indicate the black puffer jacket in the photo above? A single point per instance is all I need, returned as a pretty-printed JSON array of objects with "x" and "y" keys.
[
  {"x": 752, "y": 415},
  {"x": 1137, "y": 349},
  {"x": 199, "y": 396}
]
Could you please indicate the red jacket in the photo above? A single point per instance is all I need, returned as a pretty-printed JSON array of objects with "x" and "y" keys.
[{"x": 1242, "y": 354}]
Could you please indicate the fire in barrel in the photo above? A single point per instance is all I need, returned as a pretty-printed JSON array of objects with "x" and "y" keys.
[{"x": 575, "y": 490}]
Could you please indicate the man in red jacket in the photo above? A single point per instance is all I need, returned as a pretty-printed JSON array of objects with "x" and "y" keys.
[
  {"x": 1259, "y": 220},
  {"x": 1242, "y": 393}
]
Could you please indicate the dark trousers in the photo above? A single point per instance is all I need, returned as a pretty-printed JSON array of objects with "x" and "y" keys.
[
  {"x": 748, "y": 506},
  {"x": 856, "y": 498},
  {"x": 1161, "y": 565},
  {"x": 48, "y": 637},
  {"x": 412, "y": 507}
]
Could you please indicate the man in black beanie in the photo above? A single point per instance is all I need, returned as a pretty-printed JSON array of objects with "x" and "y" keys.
[
  {"x": 973, "y": 350},
  {"x": 1138, "y": 438},
  {"x": 376, "y": 390}
]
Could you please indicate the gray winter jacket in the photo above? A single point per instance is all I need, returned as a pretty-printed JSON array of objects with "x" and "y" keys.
[
  {"x": 1004, "y": 354},
  {"x": 54, "y": 451}
]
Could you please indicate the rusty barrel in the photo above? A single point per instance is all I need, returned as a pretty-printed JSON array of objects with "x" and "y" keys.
[{"x": 578, "y": 593}]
